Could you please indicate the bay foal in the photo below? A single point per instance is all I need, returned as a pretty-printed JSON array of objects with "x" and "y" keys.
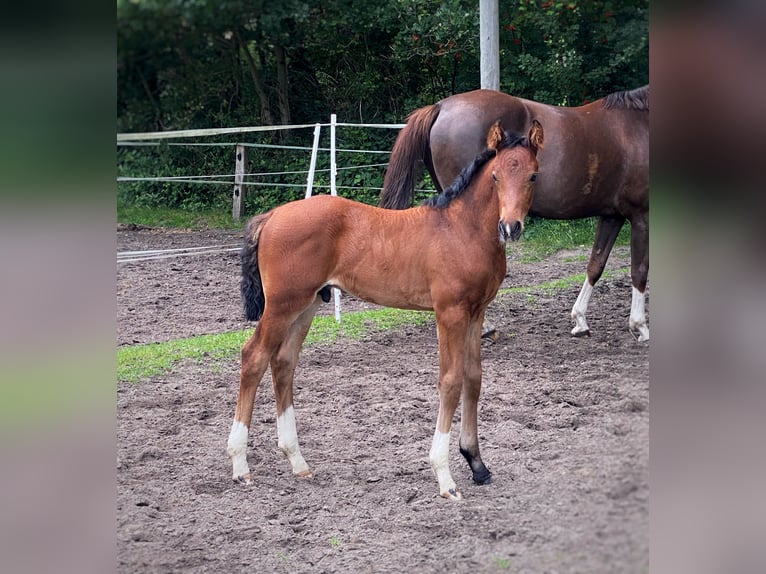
[{"x": 447, "y": 256}]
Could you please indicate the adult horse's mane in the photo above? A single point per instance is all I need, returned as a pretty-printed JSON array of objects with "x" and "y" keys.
[
  {"x": 463, "y": 179},
  {"x": 637, "y": 99}
]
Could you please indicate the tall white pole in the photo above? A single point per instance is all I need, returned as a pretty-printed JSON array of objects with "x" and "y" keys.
[
  {"x": 313, "y": 163},
  {"x": 334, "y": 191},
  {"x": 489, "y": 31}
]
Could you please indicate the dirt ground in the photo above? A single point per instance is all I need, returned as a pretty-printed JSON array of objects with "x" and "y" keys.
[{"x": 563, "y": 422}]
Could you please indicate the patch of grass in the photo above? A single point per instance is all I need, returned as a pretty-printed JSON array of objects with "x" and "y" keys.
[
  {"x": 575, "y": 259},
  {"x": 140, "y": 362},
  {"x": 502, "y": 563},
  {"x": 543, "y": 237},
  {"x": 548, "y": 286},
  {"x": 335, "y": 542},
  {"x": 178, "y": 218}
]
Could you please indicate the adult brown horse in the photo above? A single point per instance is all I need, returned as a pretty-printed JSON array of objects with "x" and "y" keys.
[
  {"x": 595, "y": 163},
  {"x": 448, "y": 257}
]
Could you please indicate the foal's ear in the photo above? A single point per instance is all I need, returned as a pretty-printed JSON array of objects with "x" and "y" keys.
[
  {"x": 495, "y": 135},
  {"x": 536, "y": 136}
]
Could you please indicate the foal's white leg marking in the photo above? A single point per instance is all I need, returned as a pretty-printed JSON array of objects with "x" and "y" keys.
[
  {"x": 287, "y": 441},
  {"x": 637, "y": 322},
  {"x": 580, "y": 308},
  {"x": 237, "y": 450},
  {"x": 439, "y": 456}
]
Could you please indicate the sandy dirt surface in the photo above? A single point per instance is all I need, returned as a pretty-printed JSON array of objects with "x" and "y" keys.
[{"x": 563, "y": 423}]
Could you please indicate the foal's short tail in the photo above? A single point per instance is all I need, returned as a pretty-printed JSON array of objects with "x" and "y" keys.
[
  {"x": 412, "y": 146},
  {"x": 251, "y": 286}
]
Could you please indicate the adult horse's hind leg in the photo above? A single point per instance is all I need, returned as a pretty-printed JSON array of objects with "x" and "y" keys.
[
  {"x": 469, "y": 432},
  {"x": 283, "y": 363},
  {"x": 606, "y": 234},
  {"x": 639, "y": 264}
]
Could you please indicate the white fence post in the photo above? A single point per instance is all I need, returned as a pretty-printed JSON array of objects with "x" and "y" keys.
[
  {"x": 240, "y": 166},
  {"x": 313, "y": 164},
  {"x": 334, "y": 191},
  {"x": 333, "y": 165}
]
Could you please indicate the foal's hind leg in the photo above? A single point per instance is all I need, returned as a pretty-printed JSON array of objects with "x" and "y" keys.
[
  {"x": 283, "y": 364},
  {"x": 256, "y": 354},
  {"x": 606, "y": 234},
  {"x": 469, "y": 431}
]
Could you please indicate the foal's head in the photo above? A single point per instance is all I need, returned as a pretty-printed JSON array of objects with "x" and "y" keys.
[{"x": 514, "y": 172}]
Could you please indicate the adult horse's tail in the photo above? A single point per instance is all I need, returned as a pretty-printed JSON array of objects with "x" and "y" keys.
[
  {"x": 412, "y": 147},
  {"x": 251, "y": 286}
]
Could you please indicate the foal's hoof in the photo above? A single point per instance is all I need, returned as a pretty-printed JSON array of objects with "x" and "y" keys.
[
  {"x": 245, "y": 479},
  {"x": 491, "y": 334},
  {"x": 305, "y": 473},
  {"x": 452, "y": 494},
  {"x": 482, "y": 479}
]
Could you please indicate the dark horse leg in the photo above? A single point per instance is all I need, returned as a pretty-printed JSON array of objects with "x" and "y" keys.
[
  {"x": 639, "y": 264},
  {"x": 469, "y": 433},
  {"x": 606, "y": 234}
]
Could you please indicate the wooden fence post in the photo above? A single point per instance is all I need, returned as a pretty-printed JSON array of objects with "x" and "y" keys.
[{"x": 240, "y": 168}]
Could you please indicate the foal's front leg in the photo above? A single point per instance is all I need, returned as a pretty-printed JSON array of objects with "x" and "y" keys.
[
  {"x": 469, "y": 431},
  {"x": 451, "y": 329}
]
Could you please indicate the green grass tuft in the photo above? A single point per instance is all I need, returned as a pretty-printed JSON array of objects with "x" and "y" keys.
[
  {"x": 177, "y": 218},
  {"x": 543, "y": 237},
  {"x": 141, "y": 362}
]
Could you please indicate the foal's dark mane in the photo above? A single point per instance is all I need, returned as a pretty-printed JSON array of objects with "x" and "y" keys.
[
  {"x": 637, "y": 99},
  {"x": 465, "y": 177}
]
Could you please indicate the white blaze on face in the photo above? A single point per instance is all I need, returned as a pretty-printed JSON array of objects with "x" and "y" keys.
[{"x": 237, "y": 449}]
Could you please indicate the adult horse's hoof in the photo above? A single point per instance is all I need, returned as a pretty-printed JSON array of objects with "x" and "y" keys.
[
  {"x": 641, "y": 333},
  {"x": 245, "y": 479},
  {"x": 452, "y": 494},
  {"x": 305, "y": 473},
  {"x": 579, "y": 332}
]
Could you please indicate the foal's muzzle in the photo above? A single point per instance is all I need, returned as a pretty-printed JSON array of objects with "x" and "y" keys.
[{"x": 510, "y": 231}]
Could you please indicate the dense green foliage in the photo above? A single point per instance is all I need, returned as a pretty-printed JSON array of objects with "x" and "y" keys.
[{"x": 186, "y": 64}]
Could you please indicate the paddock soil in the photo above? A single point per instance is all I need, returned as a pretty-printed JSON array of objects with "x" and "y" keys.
[{"x": 563, "y": 422}]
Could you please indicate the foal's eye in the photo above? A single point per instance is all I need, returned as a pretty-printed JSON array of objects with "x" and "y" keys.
[
  {"x": 533, "y": 177},
  {"x": 494, "y": 176}
]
